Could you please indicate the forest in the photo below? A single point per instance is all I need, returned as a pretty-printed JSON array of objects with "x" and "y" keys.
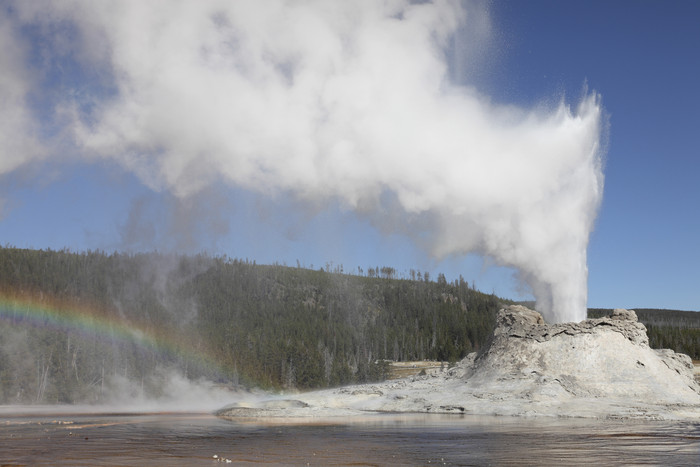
[{"x": 74, "y": 323}]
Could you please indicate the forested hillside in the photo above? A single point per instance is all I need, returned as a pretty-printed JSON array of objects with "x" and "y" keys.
[
  {"x": 73, "y": 323},
  {"x": 73, "y": 326}
]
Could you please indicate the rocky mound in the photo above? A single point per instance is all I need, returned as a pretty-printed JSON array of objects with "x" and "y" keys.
[
  {"x": 601, "y": 358},
  {"x": 596, "y": 368}
]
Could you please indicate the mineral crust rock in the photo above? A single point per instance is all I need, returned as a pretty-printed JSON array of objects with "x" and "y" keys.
[
  {"x": 600, "y": 367},
  {"x": 603, "y": 358}
]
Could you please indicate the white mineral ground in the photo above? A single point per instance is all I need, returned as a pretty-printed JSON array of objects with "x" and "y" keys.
[{"x": 598, "y": 368}]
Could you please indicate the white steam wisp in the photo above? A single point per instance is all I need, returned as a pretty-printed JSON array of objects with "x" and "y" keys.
[{"x": 351, "y": 101}]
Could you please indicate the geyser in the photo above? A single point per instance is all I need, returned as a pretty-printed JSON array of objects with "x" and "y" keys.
[
  {"x": 351, "y": 101},
  {"x": 601, "y": 368}
]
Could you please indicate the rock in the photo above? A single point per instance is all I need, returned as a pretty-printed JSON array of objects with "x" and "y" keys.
[
  {"x": 517, "y": 317},
  {"x": 604, "y": 357},
  {"x": 623, "y": 315},
  {"x": 600, "y": 367},
  {"x": 273, "y": 407}
]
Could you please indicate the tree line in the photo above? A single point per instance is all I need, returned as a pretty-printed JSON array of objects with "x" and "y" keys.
[{"x": 236, "y": 322}]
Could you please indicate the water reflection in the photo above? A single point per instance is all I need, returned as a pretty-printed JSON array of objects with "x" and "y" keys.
[{"x": 54, "y": 438}]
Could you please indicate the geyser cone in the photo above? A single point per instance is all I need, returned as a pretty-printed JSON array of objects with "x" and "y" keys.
[
  {"x": 598, "y": 368},
  {"x": 602, "y": 358}
]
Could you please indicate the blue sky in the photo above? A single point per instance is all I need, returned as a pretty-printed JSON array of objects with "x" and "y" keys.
[{"x": 641, "y": 57}]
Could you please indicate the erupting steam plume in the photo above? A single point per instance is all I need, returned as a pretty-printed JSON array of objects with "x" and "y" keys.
[{"x": 350, "y": 101}]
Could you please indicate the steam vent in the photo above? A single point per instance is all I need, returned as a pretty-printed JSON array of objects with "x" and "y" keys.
[{"x": 596, "y": 368}]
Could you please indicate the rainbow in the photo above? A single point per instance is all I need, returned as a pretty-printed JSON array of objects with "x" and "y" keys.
[{"x": 93, "y": 320}]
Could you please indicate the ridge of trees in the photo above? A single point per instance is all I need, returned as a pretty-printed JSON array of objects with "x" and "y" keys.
[
  {"x": 236, "y": 322},
  {"x": 271, "y": 326}
]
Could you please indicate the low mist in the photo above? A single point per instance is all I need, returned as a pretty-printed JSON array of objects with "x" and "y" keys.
[{"x": 171, "y": 391}]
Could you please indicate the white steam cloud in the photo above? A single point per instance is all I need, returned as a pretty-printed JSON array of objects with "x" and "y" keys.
[
  {"x": 341, "y": 100},
  {"x": 18, "y": 137},
  {"x": 169, "y": 390}
]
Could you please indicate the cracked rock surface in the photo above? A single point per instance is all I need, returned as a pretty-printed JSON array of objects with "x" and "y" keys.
[
  {"x": 596, "y": 368},
  {"x": 603, "y": 358}
]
